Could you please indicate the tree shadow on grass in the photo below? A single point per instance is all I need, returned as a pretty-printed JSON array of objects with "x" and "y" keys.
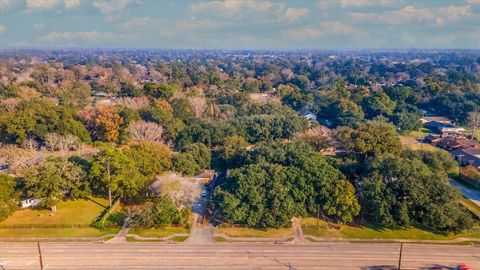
[{"x": 95, "y": 202}]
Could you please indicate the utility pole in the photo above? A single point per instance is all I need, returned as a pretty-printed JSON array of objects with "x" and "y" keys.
[
  {"x": 40, "y": 255},
  {"x": 400, "y": 257},
  {"x": 318, "y": 214},
  {"x": 460, "y": 164}
]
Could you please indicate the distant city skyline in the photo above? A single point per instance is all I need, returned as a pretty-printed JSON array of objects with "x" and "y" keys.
[{"x": 241, "y": 24}]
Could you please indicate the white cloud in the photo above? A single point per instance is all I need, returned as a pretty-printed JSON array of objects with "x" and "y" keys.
[
  {"x": 136, "y": 23},
  {"x": 196, "y": 24},
  {"x": 304, "y": 33},
  {"x": 408, "y": 14},
  {"x": 324, "y": 29},
  {"x": 69, "y": 4},
  {"x": 3, "y": 29},
  {"x": 41, "y": 4},
  {"x": 6, "y": 3},
  {"x": 294, "y": 14},
  {"x": 357, "y": 3},
  {"x": 88, "y": 37},
  {"x": 39, "y": 25},
  {"x": 112, "y": 8},
  {"x": 230, "y": 7},
  {"x": 336, "y": 28},
  {"x": 37, "y": 5}
]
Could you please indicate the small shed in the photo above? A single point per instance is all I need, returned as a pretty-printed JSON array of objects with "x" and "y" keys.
[
  {"x": 205, "y": 177},
  {"x": 29, "y": 203}
]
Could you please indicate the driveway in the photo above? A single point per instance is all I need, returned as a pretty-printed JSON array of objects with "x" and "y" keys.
[
  {"x": 201, "y": 232},
  {"x": 469, "y": 193}
]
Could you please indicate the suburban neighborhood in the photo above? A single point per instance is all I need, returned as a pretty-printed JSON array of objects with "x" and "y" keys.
[{"x": 240, "y": 134}]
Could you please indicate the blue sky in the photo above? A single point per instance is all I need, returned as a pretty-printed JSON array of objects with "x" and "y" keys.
[{"x": 248, "y": 24}]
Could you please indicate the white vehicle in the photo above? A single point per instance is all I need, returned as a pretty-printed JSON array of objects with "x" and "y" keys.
[{"x": 204, "y": 193}]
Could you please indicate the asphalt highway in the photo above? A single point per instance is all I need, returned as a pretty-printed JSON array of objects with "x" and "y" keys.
[{"x": 56, "y": 255}]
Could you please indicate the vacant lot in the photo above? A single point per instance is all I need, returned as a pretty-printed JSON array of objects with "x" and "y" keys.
[
  {"x": 68, "y": 212},
  {"x": 78, "y": 212},
  {"x": 329, "y": 230}
]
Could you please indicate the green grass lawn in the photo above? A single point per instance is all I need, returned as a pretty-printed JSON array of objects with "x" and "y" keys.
[
  {"x": 158, "y": 232},
  {"x": 233, "y": 231},
  {"x": 472, "y": 207},
  {"x": 375, "y": 232},
  {"x": 417, "y": 134},
  {"x": 68, "y": 212},
  {"x": 81, "y": 212},
  {"x": 410, "y": 140}
]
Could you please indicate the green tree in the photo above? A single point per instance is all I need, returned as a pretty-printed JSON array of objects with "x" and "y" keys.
[
  {"x": 8, "y": 196},
  {"x": 156, "y": 90},
  {"x": 159, "y": 213},
  {"x": 370, "y": 139},
  {"x": 116, "y": 174},
  {"x": 54, "y": 180},
  {"x": 343, "y": 204},
  {"x": 378, "y": 104},
  {"x": 405, "y": 190},
  {"x": 150, "y": 158}
]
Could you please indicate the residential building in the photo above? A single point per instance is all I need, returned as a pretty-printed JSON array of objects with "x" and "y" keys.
[{"x": 469, "y": 156}]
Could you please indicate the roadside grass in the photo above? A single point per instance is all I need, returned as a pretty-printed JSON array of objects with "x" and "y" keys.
[
  {"x": 180, "y": 239},
  {"x": 68, "y": 212},
  {"x": 331, "y": 230},
  {"x": 158, "y": 232},
  {"x": 235, "y": 231},
  {"x": 471, "y": 206},
  {"x": 55, "y": 232}
]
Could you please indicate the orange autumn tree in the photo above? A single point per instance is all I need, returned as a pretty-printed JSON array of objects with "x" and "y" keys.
[{"x": 106, "y": 124}]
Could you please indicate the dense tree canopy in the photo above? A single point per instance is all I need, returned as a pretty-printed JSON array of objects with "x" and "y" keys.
[
  {"x": 55, "y": 179},
  {"x": 7, "y": 196},
  {"x": 411, "y": 190},
  {"x": 275, "y": 182}
]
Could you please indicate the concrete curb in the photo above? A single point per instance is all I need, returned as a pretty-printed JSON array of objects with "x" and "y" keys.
[{"x": 163, "y": 239}]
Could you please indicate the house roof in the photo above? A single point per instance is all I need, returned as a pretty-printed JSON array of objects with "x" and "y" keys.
[
  {"x": 431, "y": 137},
  {"x": 439, "y": 119},
  {"x": 438, "y": 125},
  {"x": 206, "y": 174}
]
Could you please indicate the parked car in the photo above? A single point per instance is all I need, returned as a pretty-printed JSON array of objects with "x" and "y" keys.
[
  {"x": 204, "y": 193},
  {"x": 463, "y": 266}
]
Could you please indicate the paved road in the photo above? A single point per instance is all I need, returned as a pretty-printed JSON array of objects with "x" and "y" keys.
[
  {"x": 15, "y": 255},
  {"x": 469, "y": 193}
]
